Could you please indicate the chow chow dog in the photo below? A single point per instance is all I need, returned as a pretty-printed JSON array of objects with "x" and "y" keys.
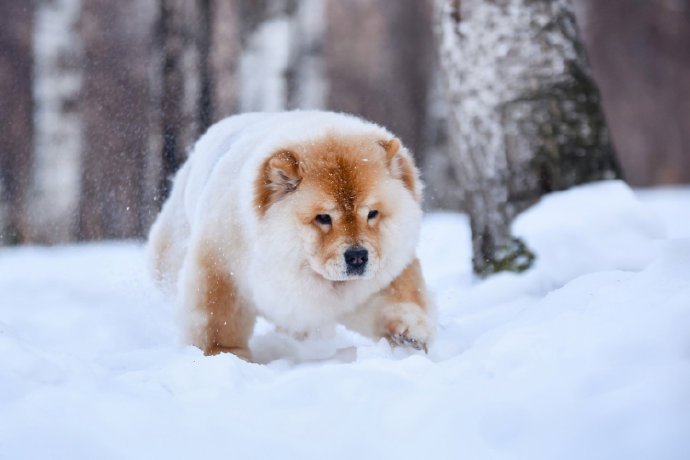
[{"x": 308, "y": 218}]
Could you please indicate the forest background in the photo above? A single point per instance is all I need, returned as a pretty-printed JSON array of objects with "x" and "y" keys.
[{"x": 100, "y": 100}]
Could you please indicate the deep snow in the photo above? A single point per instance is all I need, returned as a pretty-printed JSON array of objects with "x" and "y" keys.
[{"x": 587, "y": 355}]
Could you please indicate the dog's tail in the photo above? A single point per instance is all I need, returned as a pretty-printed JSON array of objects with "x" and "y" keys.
[{"x": 168, "y": 236}]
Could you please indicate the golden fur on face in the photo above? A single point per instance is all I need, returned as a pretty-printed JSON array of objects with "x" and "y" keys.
[{"x": 339, "y": 177}]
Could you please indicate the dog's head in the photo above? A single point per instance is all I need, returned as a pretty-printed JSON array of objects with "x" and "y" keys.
[{"x": 352, "y": 204}]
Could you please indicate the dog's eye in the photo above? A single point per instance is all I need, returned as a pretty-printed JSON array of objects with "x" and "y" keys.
[
  {"x": 373, "y": 214},
  {"x": 323, "y": 219}
]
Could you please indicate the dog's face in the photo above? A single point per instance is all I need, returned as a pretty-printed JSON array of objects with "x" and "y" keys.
[{"x": 351, "y": 203}]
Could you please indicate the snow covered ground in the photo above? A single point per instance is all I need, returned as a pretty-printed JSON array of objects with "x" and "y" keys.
[{"x": 585, "y": 356}]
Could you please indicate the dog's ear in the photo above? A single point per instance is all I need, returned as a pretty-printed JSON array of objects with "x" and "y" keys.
[
  {"x": 279, "y": 176},
  {"x": 392, "y": 147},
  {"x": 282, "y": 171},
  {"x": 401, "y": 167}
]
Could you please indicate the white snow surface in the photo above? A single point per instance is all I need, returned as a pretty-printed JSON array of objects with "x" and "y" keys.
[{"x": 587, "y": 355}]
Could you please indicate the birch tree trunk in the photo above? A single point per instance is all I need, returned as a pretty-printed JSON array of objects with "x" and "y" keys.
[
  {"x": 306, "y": 84},
  {"x": 524, "y": 116},
  {"x": 58, "y": 128},
  {"x": 264, "y": 68}
]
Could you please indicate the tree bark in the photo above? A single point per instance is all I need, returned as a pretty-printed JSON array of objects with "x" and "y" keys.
[
  {"x": 184, "y": 106},
  {"x": 639, "y": 54},
  {"x": 305, "y": 73},
  {"x": 58, "y": 125},
  {"x": 117, "y": 38},
  {"x": 16, "y": 110},
  {"x": 224, "y": 55},
  {"x": 265, "y": 62},
  {"x": 379, "y": 55},
  {"x": 441, "y": 188},
  {"x": 525, "y": 116}
]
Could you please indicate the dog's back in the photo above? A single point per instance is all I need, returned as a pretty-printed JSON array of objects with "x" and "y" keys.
[{"x": 170, "y": 232}]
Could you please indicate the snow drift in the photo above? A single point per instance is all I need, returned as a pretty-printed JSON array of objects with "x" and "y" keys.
[{"x": 585, "y": 356}]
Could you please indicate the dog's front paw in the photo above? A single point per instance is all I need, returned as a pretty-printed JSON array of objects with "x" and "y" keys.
[{"x": 408, "y": 325}]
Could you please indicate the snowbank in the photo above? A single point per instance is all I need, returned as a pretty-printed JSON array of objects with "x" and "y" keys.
[{"x": 585, "y": 356}]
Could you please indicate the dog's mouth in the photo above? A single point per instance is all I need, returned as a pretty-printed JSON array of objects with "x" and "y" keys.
[
  {"x": 345, "y": 277},
  {"x": 359, "y": 276},
  {"x": 342, "y": 275},
  {"x": 353, "y": 264}
]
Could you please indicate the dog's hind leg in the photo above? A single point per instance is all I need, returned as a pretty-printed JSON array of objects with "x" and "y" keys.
[{"x": 220, "y": 320}]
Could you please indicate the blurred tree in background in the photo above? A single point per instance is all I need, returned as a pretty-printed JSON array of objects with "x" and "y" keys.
[
  {"x": 114, "y": 106},
  {"x": 16, "y": 127},
  {"x": 524, "y": 114},
  {"x": 641, "y": 61},
  {"x": 100, "y": 100}
]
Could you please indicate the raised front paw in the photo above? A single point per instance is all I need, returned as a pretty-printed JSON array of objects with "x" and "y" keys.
[{"x": 408, "y": 325}]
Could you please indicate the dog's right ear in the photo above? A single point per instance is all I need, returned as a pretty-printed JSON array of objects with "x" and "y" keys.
[{"x": 280, "y": 175}]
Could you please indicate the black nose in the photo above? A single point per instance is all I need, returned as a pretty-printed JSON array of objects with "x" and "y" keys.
[{"x": 356, "y": 260}]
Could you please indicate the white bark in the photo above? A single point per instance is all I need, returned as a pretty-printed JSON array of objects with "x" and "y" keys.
[
  {"x": 524, "y": 114},
  {"x": 281, "y": 65},
  {"x": 58, "y": 129},
  {"x": 263, "y": 66},
  {"x": 497, "y": 53},
  {"x": 307, "y": 72}
]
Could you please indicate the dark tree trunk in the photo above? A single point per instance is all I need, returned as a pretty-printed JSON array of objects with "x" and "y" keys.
[
  {"x": 185, "y": 104},
  {"x": 441, "y": 188},
  {"x": 378, "y": 62},
  {"x": 525, "y": 117},
  {"x": 115, "y": 105},
  {"x": 16, "y": 107},
  {"x": 640, "y": 58}
]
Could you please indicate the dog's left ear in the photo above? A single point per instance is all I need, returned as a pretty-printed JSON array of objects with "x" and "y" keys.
[
  {"x": 279, "y": 176},
  {"x": 401, "y": 167}
]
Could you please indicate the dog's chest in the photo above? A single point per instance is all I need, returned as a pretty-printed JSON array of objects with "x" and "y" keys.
[{"x": 306, "y": 307}]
